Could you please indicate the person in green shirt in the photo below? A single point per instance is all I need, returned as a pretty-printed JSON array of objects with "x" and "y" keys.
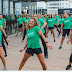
[
  {"x": 70, "y": 59},
  {"x": 42, "y": 24},
  {"x": 59, "y": 25},
  {"x": 1, "y": 47},
  {"x": 4, "y": 27},
  {"x": 19, "y": 24},
  {"x": 25, "y": 21},
  {"x": 66, "y": 26},
  {"x": 51, "y": 26},
  {"x": 33, "y": 44}
]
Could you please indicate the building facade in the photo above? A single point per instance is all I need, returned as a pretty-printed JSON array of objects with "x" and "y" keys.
[{"x": 53, "y": 6}]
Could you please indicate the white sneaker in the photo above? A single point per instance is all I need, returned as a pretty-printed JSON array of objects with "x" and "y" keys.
[{"x": 5, "y": 69}]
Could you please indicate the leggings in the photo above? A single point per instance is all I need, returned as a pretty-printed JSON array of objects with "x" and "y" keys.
[
  {"x": 4, "y": 48},
  {"x": 44, "y": 45},
  {"x": 24, "y": 34},
  {"x": 70, "y": 58}
]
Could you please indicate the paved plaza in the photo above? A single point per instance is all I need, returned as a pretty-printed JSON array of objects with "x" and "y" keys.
[{"x": 57, "y": 59}]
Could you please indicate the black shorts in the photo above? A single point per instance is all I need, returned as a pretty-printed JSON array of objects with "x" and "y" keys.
[
  {"x": 0, "y": 44},
  {"x": 55, "y": 26},
  {"x": 20, "y": 26},
  {"x": 32, "y": 51},
  {"x": 50, "y": 28},
  {"x": 66, "y": 31},
  {"x": 59, "y": 26}
]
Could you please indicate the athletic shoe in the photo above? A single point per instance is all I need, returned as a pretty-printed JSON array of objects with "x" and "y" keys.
[
  {"x": 5, "y": 69},
  {"x": 57, "y": 36},
  {"x": 67, "y": 36},
  {"x": 60, "y": 47},
  {"x": 22, "y": 40},
  {"x": 5, "y": 55},
  {"x": 16, "y": 35},
  {"x": 3, "y": 41},
  {"x": 68, "y": 67},
  {"x": 54, "y": 40},
  {"x": 46, "y": 57},
  {"x": 20, "y": 33}
]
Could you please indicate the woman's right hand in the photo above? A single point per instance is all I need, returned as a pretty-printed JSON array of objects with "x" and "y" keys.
[
  {"x": 48, "y": 45},
  {"x": 22, "y": 50},
  {"x": 61, "y": 32}
]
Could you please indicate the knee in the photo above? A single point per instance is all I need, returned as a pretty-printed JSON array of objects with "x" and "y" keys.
[{"x": 63, "y": 38}]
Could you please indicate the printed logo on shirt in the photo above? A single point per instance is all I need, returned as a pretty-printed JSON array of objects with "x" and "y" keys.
[{"x": 31, "y": 33}]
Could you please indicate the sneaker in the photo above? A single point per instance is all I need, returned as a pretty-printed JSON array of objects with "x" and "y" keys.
[
  {"x": 46, "y": 57},
  {"x": 3, "y": 41},
  {"x": 5, "y": 69},
  {"x": 5, "y": 55},
  {"x": 16, "y": 35},
  {"x": 68, "y": 67},
  {"x": 22, "y": 40},
  {"x": 60, "y": 47},
  {"x": 67, "y": 36},
  {"x": 54, "y": 40},
  {"x": 57, "y": 36},
  {"x": 20, "y": 33}
]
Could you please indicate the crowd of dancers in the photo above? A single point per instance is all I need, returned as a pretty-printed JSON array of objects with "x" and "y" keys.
[{"x": 37, "y": 27}]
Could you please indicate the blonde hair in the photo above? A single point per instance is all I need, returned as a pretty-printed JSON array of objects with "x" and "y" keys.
[{"x": 35, "y": 24}]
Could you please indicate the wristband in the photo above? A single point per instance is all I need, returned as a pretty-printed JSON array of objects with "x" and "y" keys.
[{"x": 6, "y": 37}]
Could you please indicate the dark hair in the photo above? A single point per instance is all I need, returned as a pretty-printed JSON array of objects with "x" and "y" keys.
[{"x": 51, "y": 16}]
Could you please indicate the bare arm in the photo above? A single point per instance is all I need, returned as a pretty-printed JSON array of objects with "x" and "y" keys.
[
  {"x": 24, "y": 47},
  {"x": 61, "y": 28},
  {"x": 4, "y": 24},
  {"x": 43, "y": 37},
  {"x": 3, "y": 31},
  {"x": 43, "y": 25}
]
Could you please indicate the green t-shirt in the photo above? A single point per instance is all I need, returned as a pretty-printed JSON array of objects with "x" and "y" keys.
[
  {"x": 33, "y": 38},
  {"x": 3, "y": 19},
  {"x": 19, "y": 20},
  {"x": 0, "y": 33},
  {"x": 45, "y": 18},
  {"x": 26, "y": 21},
  {"x": 50, "y": 22},
  {"x": 41, "y": 22},
  {"x": 54, "y": 20},
  {"x": 67, "y": 23},
  {"x": 60, "y": 21}
]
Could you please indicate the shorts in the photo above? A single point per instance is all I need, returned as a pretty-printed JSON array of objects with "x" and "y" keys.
[
  {"x": 0, "y": 44},
  {"x": 50, "y": 28},
  {"x": 66, "y": 31},
  {"x": 59, "y": 26},
  {"x": 20, "y": 26},
  {"x": 32, "y": 51},
  {"x": 55, "y": 26}
]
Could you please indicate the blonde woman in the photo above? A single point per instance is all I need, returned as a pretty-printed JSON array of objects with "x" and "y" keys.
[{"x": 33, "y": 44}]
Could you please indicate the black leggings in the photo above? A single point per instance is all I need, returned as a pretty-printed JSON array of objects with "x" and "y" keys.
[
  {"x": 24, "y": 34},
  {"x": 44, "y": 45},
  {"x": 4, "y": 38},
  {"x": 70, "y": 58},
  {"x": 4, "y": 48}
]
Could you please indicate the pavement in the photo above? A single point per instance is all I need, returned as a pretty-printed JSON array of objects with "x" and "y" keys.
[{"x": 57, "y": 59}]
